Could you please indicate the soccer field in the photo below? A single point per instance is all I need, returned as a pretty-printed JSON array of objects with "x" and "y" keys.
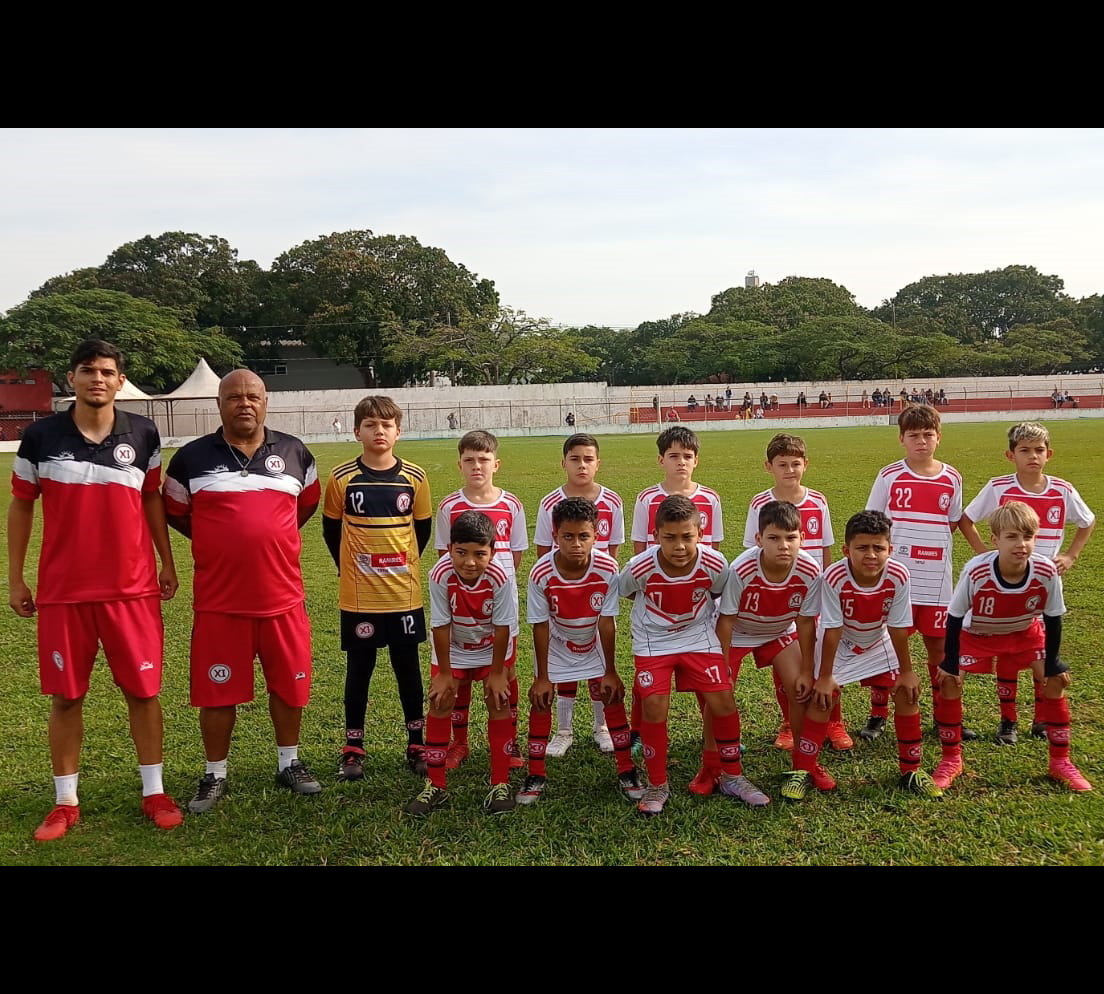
[{"x": 1003, "y": 809}]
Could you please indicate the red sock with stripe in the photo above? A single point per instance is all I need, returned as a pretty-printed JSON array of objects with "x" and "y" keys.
[
  {"x": 438, "y": 731},
  {"x": 500, "y": 735},
  {"x": 948, "y": 716},
  {"x": 618, "y": 725},
  {"x": 879, "y": 696},
  {"x": 1058, "y": 728},
  {"x": 1040, "y": 701},
  {"x": 654, "y": 736},
  {"x": 1007, "y": 678},
  {"x": 910, "y": 741},
  {"x": 727, "y": 732},
  {"x": 540, "y": 727},
  {"x": 807, "y": 744},
  {"x": 460, "y": 713}
]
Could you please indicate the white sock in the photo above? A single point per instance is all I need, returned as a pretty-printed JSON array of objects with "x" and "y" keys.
[
  {"x": 285, "y": 756},
  {"x": 65, "y": 789},
  {"x": 599, "y": 714},
  {"x": 151, "y": 779},
  {"x": 565, "y": 714},
  {"x": 218, "y": 768}
]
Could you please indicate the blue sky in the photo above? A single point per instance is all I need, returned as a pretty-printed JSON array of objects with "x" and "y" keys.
[{"x": 580, "y": 226}]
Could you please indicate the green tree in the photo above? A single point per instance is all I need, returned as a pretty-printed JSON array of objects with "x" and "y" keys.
[{"x": 785, "y": 304}]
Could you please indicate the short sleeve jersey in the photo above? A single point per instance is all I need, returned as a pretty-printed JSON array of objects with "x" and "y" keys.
[
  {"x": 816, "y": 522},
  {"x": 245, "y": 529},
  {"x": 862, "y": 612},
  {"x": 922, "y": 509},
  {"x": 707, "y": 501},
  {"x": 765, "y": 610},
  {"x": 611, "y": 519},
  {"x": 990, "y": 606},
  {"x": 506, "y": 514},
  {"x": 1058, "y": 503},
  {"x": 572, "y": 607},
  {"x": 94, "y": 491},
  {"x": 471, "y": 612},
  {"x": 380, "y": 568},
  {"x": 673, "y": 614}
]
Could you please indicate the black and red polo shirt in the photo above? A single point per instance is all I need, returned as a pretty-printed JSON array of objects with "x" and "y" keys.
[
  {"x": 96, "y": 543},
  {"x": 244, "y": 518}
]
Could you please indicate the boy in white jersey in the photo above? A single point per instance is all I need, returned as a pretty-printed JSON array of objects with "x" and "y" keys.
[
  {"x": 581, "y": 462},
  {"x": 995, "y": 612},
  {"x": 473, "y": 614},
  {"x": 1056, "y": 502},
  {"x": 673, "y": 585},
  {"x": 787, "y": 462},
  {"x": 572, "y": 603},
  {"x": 865, "y": 609},
  {"x": 923, "y": 498},
  {"x": 478, "y": 464}
]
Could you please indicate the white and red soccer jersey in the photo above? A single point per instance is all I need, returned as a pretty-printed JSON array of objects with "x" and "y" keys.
[
  {"x": 991, "y": 607},
  {"x": 611, "y": 519},
  {"x": 1058, "y": 503},
  {"x": 245, "y": 528},
  {"x": 472, "y": 612},
  {"x": 572, "y": 609},
  {"x": 765, "y": 610},
  {"x": 707, "y": 501},
  {"x": 507, "y": 515},
  {"x": 862, "y": 612},
  {"x": 96, "y": 544},
  {"x": 816, "y": 522},
  {"x": 922, "y": 509},
  {"x": 673, "y": 614}
]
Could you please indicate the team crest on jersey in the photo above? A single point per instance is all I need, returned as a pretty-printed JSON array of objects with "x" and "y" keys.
[
  {"x": 402, "y": 503},
  {"x": 1054, "y": 515},
  {"x": 795, "y": 600},
  {"x": 124, "y": 454},
  {"x": 62, "y": 457},
  {"x": 274, "y": 464},
  {"x": 59, "y": 660},
  {"x": 603, "y": 528},
  {"x": 221, "y": 468},
  {"x": 365, "y": 630},
  {"x": 644, "y": 678},
  {"x": 887, "y": 605},
  {"x": 697, "y": 595},
  {"x": 704, "y": 519},
  {"x": 944, "y": 501},
  {"x": 1032, "y": 603},
  {"x": 812, "y": 526},
  {"x": 219, "y": 673},
  {"x": 488, "y": 607},
  {"x": 597, "y": 599},
  {"x": 502, "y": 527}
]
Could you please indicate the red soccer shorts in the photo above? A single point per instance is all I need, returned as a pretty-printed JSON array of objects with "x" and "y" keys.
[
  {"x": 929, "y": 620},
  {"x": 132, "y": 637},
  {"x": 762, "y": 654},
  {"x": 979, "y": 653},
  {"x": 225, "y": 645},
  {"x": 704, "y": 672}
]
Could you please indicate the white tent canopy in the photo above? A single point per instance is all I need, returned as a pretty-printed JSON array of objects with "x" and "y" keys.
[
  {"x": 202, "y": 383},
  {"x": 128, "y": 391}
]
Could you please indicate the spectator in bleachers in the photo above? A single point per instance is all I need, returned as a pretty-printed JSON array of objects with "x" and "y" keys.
[
  {"x": 876, "y": 397},
  {"x": 774, "y": 402},
  {"x": 708, "y": 402},
  {"x": 764, "y": 400},
  {"x": 691, "y": 403},
  {"x": 823, "y": 399},
  {"x": 801, "y": 401}
]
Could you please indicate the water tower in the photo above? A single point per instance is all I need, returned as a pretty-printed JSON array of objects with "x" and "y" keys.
[{"x": 751, "y": 281}]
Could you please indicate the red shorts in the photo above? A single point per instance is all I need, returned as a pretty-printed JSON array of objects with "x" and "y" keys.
[
  {"x": 225, "y": 645},
  {"x": 704, "y": 672},
  {"x": 762, "y": 654},
  {"x": 132, "y": 637},
  {"x": 978, "y": 653},
  {"x": 929, "y": 620}
]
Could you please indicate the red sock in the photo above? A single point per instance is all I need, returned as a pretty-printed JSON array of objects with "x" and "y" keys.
[
  {"x": 514, "y": 697},
  {"x": 595, "y": 688},
  {"x": 933, "y": 675},
  {"x": 781, "y": 696},
  {"x": 618, "y": 726},
  {"x": 807, "y": 744},
  {"x": 948, "y": 716},
  {"x": 1040, "y": 706},
  {"x": 836, "y": 717},
  {"x": 654, "y": 736},
  {"x": 1058, "y": 728},
  {"x": 879, "y": 696},
  {"x": 540, "y": 726},
  {"x": 636, "y": 709},
  {"x": 437, "y": 740},
  {"x": 567, "y": 690},
  {"x": 711, "y": 760},
  {"x": 460, "y": 713},
  {"x": 500, "y": 734},
  {"x": 910, "y": 741},
  {"x": 1007, "y": 678},
  {"x": 727, "y": 732}
]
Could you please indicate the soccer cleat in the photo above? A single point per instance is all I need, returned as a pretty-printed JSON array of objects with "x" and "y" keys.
[
  {"x": 430, "y": 798},
  {"x": 873, "y": 728},
  {"x": 838, "y": 738},
  {"x": 457, "y": 753},
  {"x": 498, "y": 800},
  {"x": 558, "y": 745},
  {"x": 741, "y": 788},
  {"x": 796, "y": 785},
  {"x": 298, "y": 779},
  {"x": 162, "y": 811},
  {"x": 57, "y": 822},
  {"x": 1065, "y": 772},
  {"x": 1006, "y": 734},
  {"x": 1038, "y": 729},
  {"x": 706, "y": 781},
  {"x": 821, "y": 778},
  {"x": 351, "y": 765},
  {"x": 208, "y": 793},
  {"x": 531, "y": 790},
  {"x": 944, "y": 774},
  {"x": 603, "y": 740},
  {"x": 918, "y": 782},
  {"x": 516, "y": 762},
  {"x": 415, "y": 760},
  {"x": 631, "y": 785},
  {"x": 653, "y": 801},
  {"x": 968, "y": 734},
  {"x": 636, "y": 744},
  {"x": 784, "y": 739}
]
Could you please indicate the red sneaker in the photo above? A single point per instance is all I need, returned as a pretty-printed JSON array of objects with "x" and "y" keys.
[
  {"x": 784, "y": 740},
  {"x": 162, "y": 811},
  {"x": 706, "y": 782},
  {"x": 457, "y": 753},
  {"x": 838, "y": 738},
  {"x": 1065, "y": 772},
  {"x": 944, "y": 774},
  {"x": 57, "y": 822},
  {"x": 822, "y": 779}
]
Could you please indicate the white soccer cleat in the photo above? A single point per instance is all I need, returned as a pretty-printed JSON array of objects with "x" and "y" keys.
[
  {"x": 603, "y": 740},
  {"x": 559, "y": 744}
]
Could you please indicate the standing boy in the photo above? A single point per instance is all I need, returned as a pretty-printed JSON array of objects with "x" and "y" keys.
[
  {"x": 581, "y": 462},
  {"x": 376, "y": 522}
]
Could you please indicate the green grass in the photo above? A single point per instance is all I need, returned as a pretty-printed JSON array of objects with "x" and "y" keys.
[{"x": 1002, "y": 810}]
